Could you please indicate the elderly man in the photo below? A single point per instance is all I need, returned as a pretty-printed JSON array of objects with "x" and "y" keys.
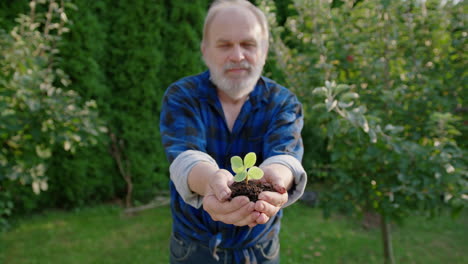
[{"x": 226, "y": 111}]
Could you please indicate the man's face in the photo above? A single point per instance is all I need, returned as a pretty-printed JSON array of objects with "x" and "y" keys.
[{"x": 235, "y": 51}]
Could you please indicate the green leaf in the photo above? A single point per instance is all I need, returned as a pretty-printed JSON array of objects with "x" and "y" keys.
[
  {"x": 329, "y": 84},
  {"x": 237, "y": 164},
  {"x": 319, "y": 106},
  {"x": 394, "y": 129},
  {"x": 349, "y": 96},
  {"x": 320, "y": 91},
  {"x": 240, "y": 176},
  {"x": 345, "y": 105},
  {"x": 255, "y": 173},
  {"x": 250, "y": 159},
  {"x": 341, "y": 88},
  {"x": 363, "y": 123},
  {"x": 373, "y": 136},
  {"x": 331, "y": 104}
]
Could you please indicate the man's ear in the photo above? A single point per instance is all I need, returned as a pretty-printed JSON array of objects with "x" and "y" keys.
[
  {"x": 266, "y": 47},
  {"x": 203, "y": 48}
]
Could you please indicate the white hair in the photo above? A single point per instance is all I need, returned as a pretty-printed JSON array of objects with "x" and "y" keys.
[{"x": 218, "y": 5}]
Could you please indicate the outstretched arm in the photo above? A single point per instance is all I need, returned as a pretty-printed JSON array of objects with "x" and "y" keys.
[{"x": 283, "y": 151}]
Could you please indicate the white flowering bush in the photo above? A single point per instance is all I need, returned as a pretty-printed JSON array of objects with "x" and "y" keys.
[{"x": 37, "y": 111}]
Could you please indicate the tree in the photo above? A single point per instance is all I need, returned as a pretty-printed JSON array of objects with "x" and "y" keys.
[{"x": 389, "y": 133}]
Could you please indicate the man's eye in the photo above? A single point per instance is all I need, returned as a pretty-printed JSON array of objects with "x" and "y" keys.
[{"x": 249, "y": 45}]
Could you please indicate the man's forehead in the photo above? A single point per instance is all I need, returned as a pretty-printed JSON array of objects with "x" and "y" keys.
[
  {"x": 235, "y": 21},
  {"x": 235, "y": 16}
]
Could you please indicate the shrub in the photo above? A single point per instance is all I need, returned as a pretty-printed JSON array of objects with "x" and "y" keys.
[{"x": 37, "y": 114}]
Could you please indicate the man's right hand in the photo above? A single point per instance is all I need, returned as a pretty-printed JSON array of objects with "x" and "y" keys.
[{"x": 238, "y": 211}]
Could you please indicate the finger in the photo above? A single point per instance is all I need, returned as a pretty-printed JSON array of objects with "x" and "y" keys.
[
  {"x": 262, "y": 219},
  {"x": 279, "y": 188},
  {"x": 244, "y": 216},
  {"x": 278, "y": 183},
  {"x": 214, "y": 206},
  {"x": 219, "y": 184},
  {"x": 274, "y": 198},
  {"x": 280, "y": 176},
  {"x": 266, "y": 208},
  {"x": 241, "y": 217},
  {"x": 253, "y": 224}
]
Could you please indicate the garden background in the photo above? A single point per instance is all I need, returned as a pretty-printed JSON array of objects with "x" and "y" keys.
[{"x": 383, "y": 85}]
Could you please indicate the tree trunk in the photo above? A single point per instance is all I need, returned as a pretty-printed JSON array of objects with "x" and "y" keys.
[
  {"x": 387, "y": 240},
  {"x": 117, "y": 149}
]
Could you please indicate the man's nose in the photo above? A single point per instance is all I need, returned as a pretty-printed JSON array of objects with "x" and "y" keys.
[{"x": 237, "y": 54}]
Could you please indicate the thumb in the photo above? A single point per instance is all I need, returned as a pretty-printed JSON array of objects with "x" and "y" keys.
[
  {"x": 219, "y": 184},
  {"x": 277, "y": 182},
  {"x": 279, "y": 188},
  {"x": 279, "y": 176}
]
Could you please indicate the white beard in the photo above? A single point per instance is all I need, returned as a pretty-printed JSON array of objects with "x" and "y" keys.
[{"x": 239, "y": 87}]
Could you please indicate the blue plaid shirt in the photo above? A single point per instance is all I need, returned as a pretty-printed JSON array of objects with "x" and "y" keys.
[{"x": 192, "y": 118}]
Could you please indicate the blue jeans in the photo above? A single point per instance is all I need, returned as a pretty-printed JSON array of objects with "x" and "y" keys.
[{"x": 183, "y": 251}]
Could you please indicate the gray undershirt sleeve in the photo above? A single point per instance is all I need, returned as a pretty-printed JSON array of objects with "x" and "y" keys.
[
  {"x": 299, "y": 174},
  {"x": 180, "y": 169},
  {"x": 183, "y": 164}
]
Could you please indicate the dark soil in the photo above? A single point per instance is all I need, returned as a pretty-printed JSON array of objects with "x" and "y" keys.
[{"x": 251, "y": 189}]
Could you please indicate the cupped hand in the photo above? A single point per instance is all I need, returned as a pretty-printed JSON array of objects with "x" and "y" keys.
[
  {"x": 269, "y": 203},
  {"x": 238, "y": 211}
]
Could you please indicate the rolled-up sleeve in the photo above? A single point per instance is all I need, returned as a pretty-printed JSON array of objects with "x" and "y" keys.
[
  {"x": 298, "y": 172},
  {"x": 179, "y": 171}
]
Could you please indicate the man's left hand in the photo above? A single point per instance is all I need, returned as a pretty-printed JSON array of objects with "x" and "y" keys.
[{"x": 269, "y": 203}]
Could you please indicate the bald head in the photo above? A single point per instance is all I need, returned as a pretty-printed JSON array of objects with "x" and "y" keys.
[{"x": 224, "y": 9}]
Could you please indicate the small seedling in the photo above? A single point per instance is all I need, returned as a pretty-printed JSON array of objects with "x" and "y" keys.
[{"x": 245, "y": 169}]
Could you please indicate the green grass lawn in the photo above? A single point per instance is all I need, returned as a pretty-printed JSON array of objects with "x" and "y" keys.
[{"x": 103, "y": 235}]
